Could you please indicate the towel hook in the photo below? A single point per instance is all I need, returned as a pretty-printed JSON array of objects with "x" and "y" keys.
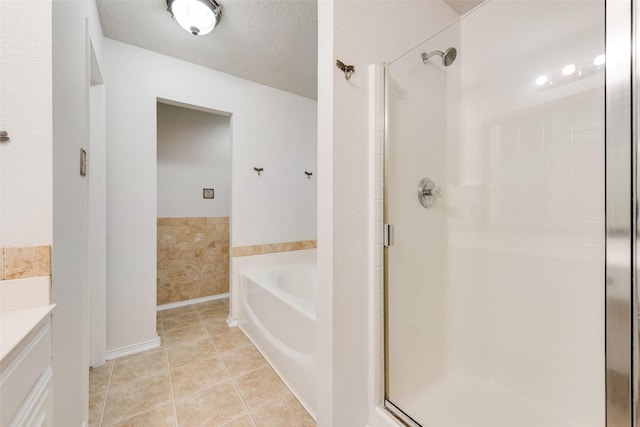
[
  {"x": 259, "y": 170},
  {"x": 347, "y": 69},
  {"x": 309, "y": 174}
]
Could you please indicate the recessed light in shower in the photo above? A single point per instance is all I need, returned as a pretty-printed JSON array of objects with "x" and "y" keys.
[
  {"x": 542, "y": 80},
  {"x": 571, "y": 73},
  {"x": 599, "y": 60},
  {"x": 569, "y": 69}
]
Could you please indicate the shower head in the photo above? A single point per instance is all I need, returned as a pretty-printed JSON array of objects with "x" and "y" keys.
[{"x": 448, "y": 56}]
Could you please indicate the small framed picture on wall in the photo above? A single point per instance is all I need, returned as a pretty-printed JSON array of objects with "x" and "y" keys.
[{"x": 207, "y": 193}]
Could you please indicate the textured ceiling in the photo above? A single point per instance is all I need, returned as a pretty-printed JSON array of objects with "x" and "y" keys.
[{"x": 272, "y": 42}]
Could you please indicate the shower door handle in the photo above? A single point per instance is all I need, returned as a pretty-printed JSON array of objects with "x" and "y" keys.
[{"x": 428, "y": 192}]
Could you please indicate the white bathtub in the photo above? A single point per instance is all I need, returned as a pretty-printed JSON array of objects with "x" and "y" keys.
[{"x": 278, "y": 313}]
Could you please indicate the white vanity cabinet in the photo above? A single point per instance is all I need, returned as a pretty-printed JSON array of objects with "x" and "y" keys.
[{"x": 25, "y": 368}]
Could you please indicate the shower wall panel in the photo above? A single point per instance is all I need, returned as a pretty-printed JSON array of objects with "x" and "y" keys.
[
  {"x": 495, "y": 295},
  {"x": 526, "y": 210}
]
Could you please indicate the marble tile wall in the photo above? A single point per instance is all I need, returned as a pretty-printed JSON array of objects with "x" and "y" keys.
[
  {"x": 21, "y": 263},
  {"x": 273, "y": 247},
  {"x": 193, "y": 258}
]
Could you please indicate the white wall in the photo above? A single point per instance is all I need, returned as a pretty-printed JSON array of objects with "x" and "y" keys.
[
  {"x": 363, "y": 33},
  {"x": 97, "y": 222},
  {"x": 69, "y": 254},
  {"x": 270, "y": 128},
  {"x": 25, "y": 113},
  {"x": 194, "y": 152},
  {"x": 43, "y": 200},
  {"x": 324, "y": 253}
]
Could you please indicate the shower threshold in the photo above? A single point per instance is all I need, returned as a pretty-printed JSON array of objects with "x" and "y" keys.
[{"x": 454, "y": 402}]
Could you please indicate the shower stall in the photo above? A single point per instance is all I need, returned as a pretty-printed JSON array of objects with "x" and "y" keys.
[{"x": 509, "y": 201}]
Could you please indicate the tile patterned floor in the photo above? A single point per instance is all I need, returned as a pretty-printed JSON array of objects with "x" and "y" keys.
[{"x": 204, "y": 374}]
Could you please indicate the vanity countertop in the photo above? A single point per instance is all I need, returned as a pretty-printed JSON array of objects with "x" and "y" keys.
[{"x": 15, "y": 325}]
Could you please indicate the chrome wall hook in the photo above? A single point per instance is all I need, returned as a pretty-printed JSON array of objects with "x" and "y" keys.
[
  {"x": 259, "y": 170},
  {"x": 309, "y": 174},
  {"x": 347, "y": 69}
]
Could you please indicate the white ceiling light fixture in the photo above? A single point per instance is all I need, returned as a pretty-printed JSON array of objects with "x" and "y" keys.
[{"x": 198, "y": 17}]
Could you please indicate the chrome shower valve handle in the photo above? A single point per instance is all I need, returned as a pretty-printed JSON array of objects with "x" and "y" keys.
[{"x": 428, "y": 193}]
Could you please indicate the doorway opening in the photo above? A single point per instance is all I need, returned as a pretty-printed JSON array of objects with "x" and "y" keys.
[{"x": 193, "y": 204}]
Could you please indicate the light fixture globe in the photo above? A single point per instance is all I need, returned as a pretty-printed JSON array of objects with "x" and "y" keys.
[{"x": 198, "y": 17}]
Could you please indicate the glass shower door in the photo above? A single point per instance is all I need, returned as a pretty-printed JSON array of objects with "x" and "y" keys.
[{"x": 495, "y": 185}]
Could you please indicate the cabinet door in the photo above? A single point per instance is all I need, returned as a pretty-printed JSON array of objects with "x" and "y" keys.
[{"x": 25, "y": 386}]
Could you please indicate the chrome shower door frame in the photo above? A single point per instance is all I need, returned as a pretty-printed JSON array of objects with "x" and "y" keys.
[{"x": 621, "y": 216}]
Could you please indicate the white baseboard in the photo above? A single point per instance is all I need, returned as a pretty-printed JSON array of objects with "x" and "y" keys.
[
  {"x": 191, "y": 301},
  {"x": 133, "y": 348}
]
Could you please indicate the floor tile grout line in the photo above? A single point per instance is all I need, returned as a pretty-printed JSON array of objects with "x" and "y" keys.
[
  {"x": 233, "y": 383},
  {"x": 286, "y": 396},
  {"x": 289, "y": 393},
  {"x": 166, "y": 353},
  {"x": 106, "y": 394},
  {"x": 201, "y": 320},
  {"x": 217, "y": 356},
  {"x": 140, "y": 379},
  {"x": 252, "y": 371},
  {"x": 268, "y": 365},
  {"x": 200, "y": 390},
  {"x": 137, "y": 414}
]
